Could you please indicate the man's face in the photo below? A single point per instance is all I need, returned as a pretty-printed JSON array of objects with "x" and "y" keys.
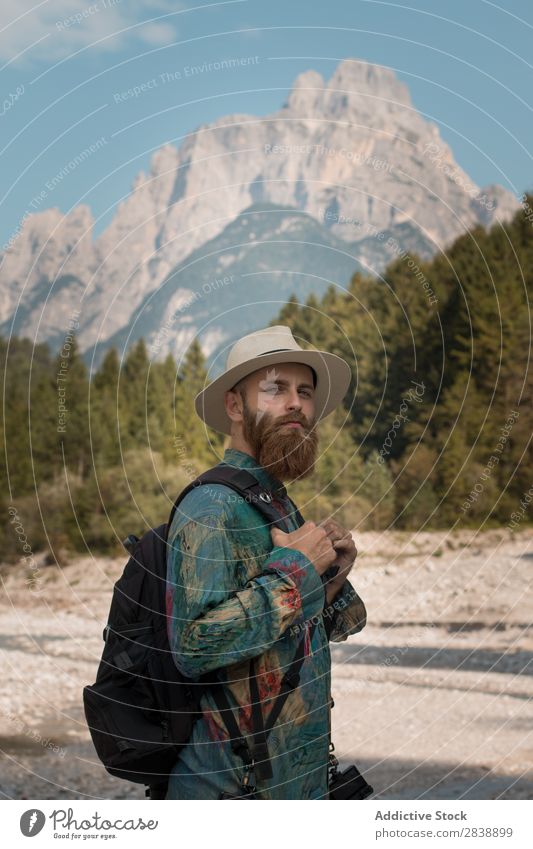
[{"x": 278, "y": 419}]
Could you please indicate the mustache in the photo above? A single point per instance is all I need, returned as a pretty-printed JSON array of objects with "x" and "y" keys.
[{"x": 295, "y": 418}]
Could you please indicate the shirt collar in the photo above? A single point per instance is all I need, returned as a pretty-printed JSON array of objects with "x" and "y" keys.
[{"x": 241, "y": 460}]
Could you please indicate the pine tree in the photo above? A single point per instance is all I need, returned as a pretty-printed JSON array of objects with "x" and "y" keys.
[
  {"x": 133, "y": 405},
  {"x": 72, "y": 387},
  {"x": 104, "y": 408},
  {"x": 195, "y": 445}
]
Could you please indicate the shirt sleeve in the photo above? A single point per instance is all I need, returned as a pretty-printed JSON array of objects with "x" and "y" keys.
[
  {"x": 215, "y": 616},
  {"x": 345, "y": 615}
]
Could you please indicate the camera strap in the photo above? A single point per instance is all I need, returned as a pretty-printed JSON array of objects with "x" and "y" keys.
[
  {"x": 332, "y": 760},
  {"x": 257, "y": 759}
]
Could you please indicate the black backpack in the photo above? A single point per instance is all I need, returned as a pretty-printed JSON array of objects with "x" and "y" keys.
[{"x": 141, "y": 710}]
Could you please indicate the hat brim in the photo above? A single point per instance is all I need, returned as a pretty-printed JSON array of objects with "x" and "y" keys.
[{"x": 333, "y": 379}]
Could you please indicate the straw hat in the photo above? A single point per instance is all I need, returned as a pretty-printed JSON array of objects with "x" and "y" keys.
[{"x": 269, "y": 347}]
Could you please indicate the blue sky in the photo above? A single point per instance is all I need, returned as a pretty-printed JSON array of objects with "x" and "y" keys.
[{"x": 66, "y": 64}]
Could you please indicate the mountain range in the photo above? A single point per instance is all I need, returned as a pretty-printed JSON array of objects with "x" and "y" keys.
[{"x": 214, "y": 239}]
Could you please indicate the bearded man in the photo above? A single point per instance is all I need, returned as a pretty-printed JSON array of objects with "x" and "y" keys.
[{"x": 239, "y": 590}]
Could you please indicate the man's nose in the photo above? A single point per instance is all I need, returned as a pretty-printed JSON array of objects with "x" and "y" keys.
[{"x": 294, "y": 401}]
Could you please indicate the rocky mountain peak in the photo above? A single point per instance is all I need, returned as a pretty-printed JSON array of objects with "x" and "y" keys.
[
  {"x": 307, "y": 93},
  {"x": 164, "y": 160},
  {"x": 351, "y": 153},
  {"x": 363, "y": 78},
  {"x": 355, "y": 89}
]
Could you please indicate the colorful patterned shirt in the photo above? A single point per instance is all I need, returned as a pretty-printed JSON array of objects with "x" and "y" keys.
[{"x": 231, "y": 596}]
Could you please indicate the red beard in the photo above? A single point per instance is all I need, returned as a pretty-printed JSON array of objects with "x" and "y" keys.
[{"x": 287, "y": 454}]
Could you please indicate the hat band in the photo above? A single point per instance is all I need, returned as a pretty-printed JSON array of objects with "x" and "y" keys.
[
  {"x": 291, "y": 350},
  {"x": 275, "y": 351}
]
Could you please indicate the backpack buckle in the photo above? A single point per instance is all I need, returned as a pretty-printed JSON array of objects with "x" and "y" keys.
[
  {"x": 265, "y": 496},
  {"x": 248, "y": 780}
]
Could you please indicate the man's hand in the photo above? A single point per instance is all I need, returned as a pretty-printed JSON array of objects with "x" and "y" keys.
[
  {"x": 310, "y": 540},
  {"x": 346, "y": 552}
]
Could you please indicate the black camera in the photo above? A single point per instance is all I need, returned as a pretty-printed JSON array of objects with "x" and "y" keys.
[
  {"x": 349, "y": 784},
  {"x": 241, "y": 796}
]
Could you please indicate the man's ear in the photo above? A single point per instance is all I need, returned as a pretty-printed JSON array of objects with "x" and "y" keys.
[{"x": 233, "y": 405}]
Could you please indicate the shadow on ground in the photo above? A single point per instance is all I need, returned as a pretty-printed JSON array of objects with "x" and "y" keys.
[
  {"x": 467, "y": 660},
  {"x": 404, "y": 779}
]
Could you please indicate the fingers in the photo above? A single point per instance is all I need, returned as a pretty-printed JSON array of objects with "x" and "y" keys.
[
  {"x": 346, "y": 544},
  {"x": 310, "y": 541},
  {"x": 326, "y": 549},
  {"x": 312, "y": 530},
  {"x": 328, "y": 557},
  {"x": 334, "y": 529}
]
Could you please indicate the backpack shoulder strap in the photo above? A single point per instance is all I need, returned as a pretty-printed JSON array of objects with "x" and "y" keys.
[
  {"x": 299, "y": 518},
  {"x": 245, "y": 484}
]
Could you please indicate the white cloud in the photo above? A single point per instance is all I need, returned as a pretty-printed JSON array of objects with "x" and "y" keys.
[
  {"x": 158, "y": 33},
  {"x": 33, "y": 32}
]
